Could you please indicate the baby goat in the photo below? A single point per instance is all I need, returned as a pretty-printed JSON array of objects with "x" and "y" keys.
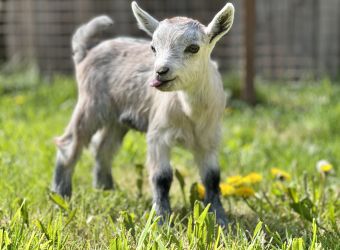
[{"x": 170, "y": 89}]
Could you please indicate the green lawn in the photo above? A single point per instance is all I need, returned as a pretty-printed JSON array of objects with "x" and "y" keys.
[{"x": 292, "y": 128}]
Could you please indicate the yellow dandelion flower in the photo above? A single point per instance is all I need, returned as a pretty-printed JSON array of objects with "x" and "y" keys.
[
  {"x": 201, "y": 191},
  {"x": 280, "y": 174},
  {"x": 19, "y": 99},
  {"x": 324, "y": 167},
  {"x": 244, "y": 192},
  {"x": 227, "y": 189},
  {"x": 235, "y": 180},
  {"x": 252, "y": 178}
]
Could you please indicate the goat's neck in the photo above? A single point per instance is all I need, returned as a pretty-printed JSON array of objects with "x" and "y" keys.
[{"x": 198, "y": 100}]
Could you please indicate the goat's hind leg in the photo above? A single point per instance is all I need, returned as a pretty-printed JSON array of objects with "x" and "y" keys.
[
  {"x": 69, "y": 151},
  {"x": 105, "y": 144},
  {"x": 70, "y": 146}
]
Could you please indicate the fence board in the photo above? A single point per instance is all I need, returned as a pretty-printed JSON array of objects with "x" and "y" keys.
[{"x": 293, "y": 37}]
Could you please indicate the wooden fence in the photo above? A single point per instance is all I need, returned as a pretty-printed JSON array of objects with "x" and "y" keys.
[{"x": 294, "y": 38}]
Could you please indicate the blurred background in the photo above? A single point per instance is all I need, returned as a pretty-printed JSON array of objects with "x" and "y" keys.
[
  {"x": 293, "y": 39},
  {"x": 289, "y": 48}
]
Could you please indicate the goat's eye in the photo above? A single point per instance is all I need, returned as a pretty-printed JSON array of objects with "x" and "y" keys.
[
  {"x": 153, "y": 49},
  {"x": 193, "y": 48}
]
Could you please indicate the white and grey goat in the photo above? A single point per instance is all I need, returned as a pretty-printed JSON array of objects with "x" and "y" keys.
[{"x": 169, "y": 88}]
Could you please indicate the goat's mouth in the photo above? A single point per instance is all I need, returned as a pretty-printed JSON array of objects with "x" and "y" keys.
[{"x": 160, "y": 84}]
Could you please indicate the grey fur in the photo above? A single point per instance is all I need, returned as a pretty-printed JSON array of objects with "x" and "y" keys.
[
  {"x": 211, "y": 182},
  {"x": 62, "y": 183},
  {"x": 89, "y": 35},
  {"x": 161, "y": 183},
  {"x": 104, "y": 144},
  {"x": 114, "y": 78}
]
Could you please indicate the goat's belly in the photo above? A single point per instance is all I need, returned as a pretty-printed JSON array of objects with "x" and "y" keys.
[{"x": 134, "y": 121}]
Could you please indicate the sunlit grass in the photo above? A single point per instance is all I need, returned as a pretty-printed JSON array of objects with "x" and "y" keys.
[{"x": 276, "y": 192}]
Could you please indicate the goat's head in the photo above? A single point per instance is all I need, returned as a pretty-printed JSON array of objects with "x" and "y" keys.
[{"x": 182, "y": 46}]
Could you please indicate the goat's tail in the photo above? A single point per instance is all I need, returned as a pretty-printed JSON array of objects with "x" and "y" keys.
[{"x": 89, "y": 35}]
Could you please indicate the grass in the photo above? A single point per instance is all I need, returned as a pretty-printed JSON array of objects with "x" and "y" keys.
[{"x": 293, "y": 127}]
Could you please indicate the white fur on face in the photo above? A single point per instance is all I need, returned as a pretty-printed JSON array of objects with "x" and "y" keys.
[
  {"x": 181, "y": 69},
  {"x": 170, "y": 40}
]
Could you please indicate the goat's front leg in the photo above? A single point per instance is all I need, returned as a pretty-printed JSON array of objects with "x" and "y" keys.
[
  {"x": 210, "y": 175},
  {"x": 160, "y": 173}
]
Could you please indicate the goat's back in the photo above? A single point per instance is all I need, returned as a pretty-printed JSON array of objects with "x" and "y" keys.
[{"x": 115, "y": 74}]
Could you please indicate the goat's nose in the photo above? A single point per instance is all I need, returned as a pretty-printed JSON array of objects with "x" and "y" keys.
[{"x": 162, "y": 70}]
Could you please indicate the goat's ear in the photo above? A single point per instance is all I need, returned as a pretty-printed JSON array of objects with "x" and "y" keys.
[
  {"x": 145, "y": 21},
  {"x": 221, "y": 23}
]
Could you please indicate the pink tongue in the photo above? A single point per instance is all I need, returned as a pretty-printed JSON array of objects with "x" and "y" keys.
[{"x": 155, "y": 83}]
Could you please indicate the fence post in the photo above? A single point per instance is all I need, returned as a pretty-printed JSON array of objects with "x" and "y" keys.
[{"x": 248, "y": 92}]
